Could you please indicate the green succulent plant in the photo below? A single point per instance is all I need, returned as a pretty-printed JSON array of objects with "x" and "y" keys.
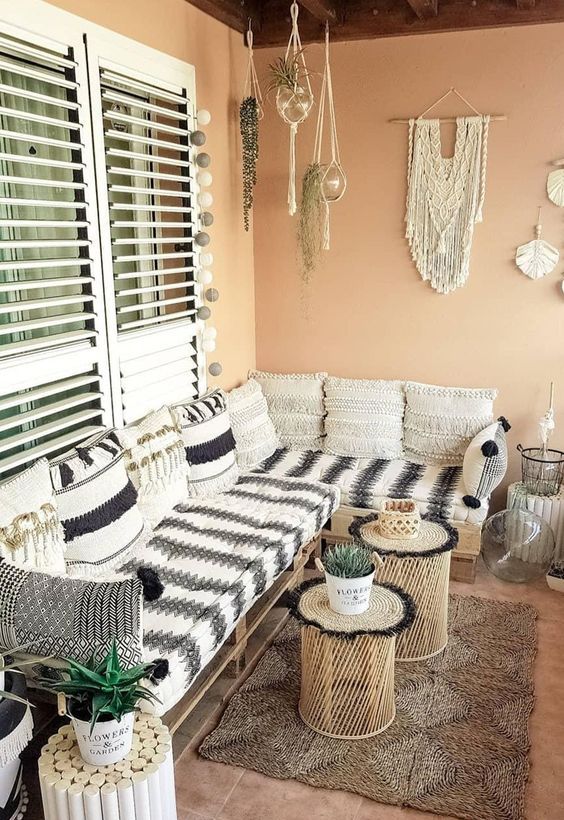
[
  {"x": 348, "y": 561},
  {"x": 104, "y": 688},
  {"x": 285, "y": 72}
]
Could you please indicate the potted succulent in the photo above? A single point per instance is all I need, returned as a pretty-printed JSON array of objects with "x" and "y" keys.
[
  {"x": 101, "y": 701},
  {"x": 349, "y": 574}
]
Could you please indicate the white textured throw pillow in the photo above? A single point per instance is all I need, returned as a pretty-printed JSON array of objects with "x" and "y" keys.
[
  {"x": 98, "y": 506},
  {"x": 30, "y": 532},
  {"x": 296, "y": 407},
  {"x": 156, "y": 463},
  {"x": 253, "y": 430},
  {"x": 364, "y": 417},
  {"x": 440, "y": 422},
  {"x": 209, "y": 444},
  {"x": 485, "y": 462}
]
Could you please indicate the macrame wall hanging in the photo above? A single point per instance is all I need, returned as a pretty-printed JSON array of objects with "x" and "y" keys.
[
  {"x": 323, "y": 182},
  {"x": 250, "y": 112},
  {"x": 445, "y": 196},
  {"x": 294, "y": 97}
]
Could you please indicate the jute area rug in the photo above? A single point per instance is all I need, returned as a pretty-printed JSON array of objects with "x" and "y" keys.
[{"x": 458, "y": 745}]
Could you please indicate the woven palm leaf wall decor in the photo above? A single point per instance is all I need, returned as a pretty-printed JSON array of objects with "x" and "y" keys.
[{"x": 537, "y": 258}]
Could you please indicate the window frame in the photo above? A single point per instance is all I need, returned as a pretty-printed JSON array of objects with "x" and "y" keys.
[{"x": 92, "y": 43}]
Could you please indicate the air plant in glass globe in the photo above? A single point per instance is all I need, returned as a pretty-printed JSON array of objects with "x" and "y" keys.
[{"x": 293, "y": 96}]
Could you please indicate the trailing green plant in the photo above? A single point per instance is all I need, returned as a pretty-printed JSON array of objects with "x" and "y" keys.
[
  {"x": 285, "y": 72},
  {"x": 310, "y": 224},
  {"x": 348, "y": 561},
  {"x": 102, "y": 689},
  {"x": 248, "y": 125}
]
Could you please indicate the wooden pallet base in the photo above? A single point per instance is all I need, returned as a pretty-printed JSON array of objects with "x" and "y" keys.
[
  {"x": 234, "y": 654},
  {"x": 464, "y": 558}
]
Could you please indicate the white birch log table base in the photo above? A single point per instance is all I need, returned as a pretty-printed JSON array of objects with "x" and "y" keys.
[{"x": 141, "y": 787}]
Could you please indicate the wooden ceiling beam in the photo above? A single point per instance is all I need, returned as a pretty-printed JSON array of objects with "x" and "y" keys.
[
  {"x": 525, "y": 4},
  {"x": 230, "y": 12},
  {"x": 369, "y": 19},
  {"x": 424, "y": 9},
  {"x": 322, "y": 10}
]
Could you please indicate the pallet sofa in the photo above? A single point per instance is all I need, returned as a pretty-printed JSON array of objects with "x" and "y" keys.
[{"x": 177, "y": 536}]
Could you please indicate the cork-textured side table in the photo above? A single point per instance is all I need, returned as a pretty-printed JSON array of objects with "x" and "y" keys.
[
  {"x": 141, "y": 787},
  {"x": 347, "y": 682},
  {"x": 420, "y": 565}
]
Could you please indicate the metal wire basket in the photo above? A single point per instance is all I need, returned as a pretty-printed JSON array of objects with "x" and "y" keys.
[{"x": 542, "y": 469}]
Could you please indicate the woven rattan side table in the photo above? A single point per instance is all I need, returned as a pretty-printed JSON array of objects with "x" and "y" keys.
[
  {"x": 141, "y": 787},
  {"x": 421, "y": 567},
  {"x": 347, "y": 682}
]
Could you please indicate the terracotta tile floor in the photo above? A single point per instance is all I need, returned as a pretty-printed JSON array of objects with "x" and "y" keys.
[{"x": 212, "y": 791}]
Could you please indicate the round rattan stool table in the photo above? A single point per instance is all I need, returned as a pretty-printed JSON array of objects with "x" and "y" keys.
[
  {"x": 347, "y": 683},
  {"x": 419, "y": 565}
]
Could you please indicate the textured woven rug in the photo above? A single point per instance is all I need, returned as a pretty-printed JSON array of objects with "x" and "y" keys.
[{"x": 458, "y": 745}]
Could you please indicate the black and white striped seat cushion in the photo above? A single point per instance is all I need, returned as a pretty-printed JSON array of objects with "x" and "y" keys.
[
  {"x": 215, "y": 557},
  {"x": 365, "y": 482}
]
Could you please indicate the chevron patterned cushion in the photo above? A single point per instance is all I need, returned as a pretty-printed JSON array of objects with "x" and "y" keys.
[
  {"x": 208, "y": 440},
  {"x": 69, "y": 618},
  {"x": 97, "y": 505},
  {"x": 365, "y": 482},
  {"x": 215, "y": 557}
]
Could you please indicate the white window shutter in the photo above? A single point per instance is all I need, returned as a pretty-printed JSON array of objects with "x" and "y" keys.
[
  {"x": 54, "y": 369},
  {"x": 144, "y": 109}
]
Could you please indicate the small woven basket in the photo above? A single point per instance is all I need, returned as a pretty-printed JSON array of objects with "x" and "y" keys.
[{"x": 399, "y": 518}]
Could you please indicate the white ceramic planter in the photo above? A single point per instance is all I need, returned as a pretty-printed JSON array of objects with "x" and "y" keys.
[
  {"x": 109, "y": 742},
  {"x": 349, "y": 596}
]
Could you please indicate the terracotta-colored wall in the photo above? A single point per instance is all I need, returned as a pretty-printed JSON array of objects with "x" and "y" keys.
[
  {"x": 177, "y": 28},
  {"x": 367, "y": 312}
]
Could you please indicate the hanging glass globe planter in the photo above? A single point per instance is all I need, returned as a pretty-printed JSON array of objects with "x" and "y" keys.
[
  {"x": 333, "y": 182},
  {"x": 289, "y": 77},
  {"x": 294, "y": 104}
]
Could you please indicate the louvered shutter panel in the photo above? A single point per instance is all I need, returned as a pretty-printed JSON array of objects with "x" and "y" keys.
[
  {"x": 149, "y": 217},
  {"x": 53, "y": 351}
]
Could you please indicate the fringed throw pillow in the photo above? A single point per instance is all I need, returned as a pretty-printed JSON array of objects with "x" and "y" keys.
[
  {"x": 253, "y": 430},
  {"x": 364, "y": 417},
  {"x": 156, "y": 463},
  {"x": 485, "y": 462},
  {"x": 97, "y": 505},
  {"x": 440, "y": 422},
  {"x": 70, "y": 618},
  {"x": 296, "y": 406},
  {"x": 209, "y": 444},
  {"x": 30, "y": 530}
]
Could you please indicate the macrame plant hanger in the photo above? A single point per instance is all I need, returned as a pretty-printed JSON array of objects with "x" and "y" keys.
[
  {"x": 251, "y": 112},
  {"x": 333, "y": 180},
  {"x": 294, "y": 104}
]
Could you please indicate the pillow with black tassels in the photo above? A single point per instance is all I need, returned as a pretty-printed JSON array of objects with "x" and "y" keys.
[
  {"x": 97, "y": 505},
  {"x": 485, "y": 462}
]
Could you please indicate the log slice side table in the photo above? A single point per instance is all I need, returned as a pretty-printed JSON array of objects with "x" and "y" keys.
[
  {"x": 421, "y": 567},
  {"x": 347, "y": 678},
  {"x": 141, "y": 787}
]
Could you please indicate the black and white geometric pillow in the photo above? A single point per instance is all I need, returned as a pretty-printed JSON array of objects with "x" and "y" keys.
[
  {"x": 209, "y": 444},
  {"x": 70, "y": 618},
  {"x": 485, "y": 462},
  {"x": 97, "y": 505}
]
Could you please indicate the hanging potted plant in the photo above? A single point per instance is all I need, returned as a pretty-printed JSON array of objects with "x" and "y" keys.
[
  {"x": 289, "y": 78},
  {"x": 250, "y": 112},
  {"x": 101, "y": 701},
  {"x": 323, "y": 182},
  {"x": 349, "y": 574}
]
